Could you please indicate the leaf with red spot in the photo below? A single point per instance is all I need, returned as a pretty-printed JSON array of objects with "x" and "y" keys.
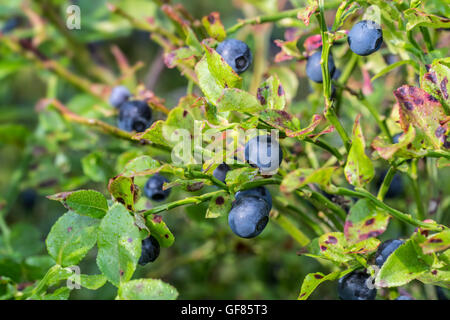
[
  {"x": 301, "y": 177},
  {"x": 365, "y": 221},
  {"x": 387, "y": 150},
  {"x": 123, "y": 190},
  {"x": 283, "y": 121},
  {"x": 219, "y": 205},
  {"x": 159, "y": 230},
  {"x": 363, "y": 247},
  {"x": 436, "y": 80},
  {"x": 313, "y": 280},
  {"x": 332, "y": 246},
  {"x": 214, "y": 26},
  {"x": 271, "y": 94},
  {"x": 359, "y": 169},
  {"x": 436, "y": 242},
  {"x": 424, "y": 112}
]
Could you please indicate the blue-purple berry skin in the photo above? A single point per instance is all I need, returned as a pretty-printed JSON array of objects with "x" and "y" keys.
[
  {"x": 236, "y": 53},
  {"x": 134, "y": 116},
  {"x": 259, "y": 192},
  {"x": 220, "y": 173},
  {"x": 385, "y": 250},
  {"x": 150, "y": 250},
  {"x": 248, "y": 216},
  {"x": 119, "y": 95},
  {"x": 365, "y": 37},
  {"x": 353, "y": 286},
  {"x": 314, "y": 68},
  {"x": 264, "y": 153},
  {"x": 154, "y": 188}
]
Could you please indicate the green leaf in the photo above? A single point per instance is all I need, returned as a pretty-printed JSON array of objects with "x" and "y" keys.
[
  {"x": 92, "y": 282},
  {"x": 436, "y": 80},
  {"x": 418, "y": 18},
  {"x": 363, "y": 247},
  {"x": 153, "y": 134},
  {"x": 365, "y": 221},
  {"x": 214, "y": 75},
  {"x": 302, "y": 177},
  {"x": 271, "y": 94},
  {"x": 359, "y": 168},
  {"x": 89, "y": 203},
  {"x": 424, "y": 112},
  {"x": 238, "y": 100},
  {"x": 138, "y": 166},
  {"x": 124, "y": 191},
  {"x": 147, "y": 289},
  {"x": 214, "y": 26},
  {"x": 71, "y": 238},
  {"x": 386, "y": 150},
  {"x": 313, "y": 280},
  {"x": 219, "y": 205},
  {"x": 402, "y": 266},
  {"x": 62, "y": 293},
  {"x": 239, "y": 176},
  {"x": 119, "y": 245},
  {"x": 159, "y": 230},
  {"x": 181, "y": 55},
  {"x": 25, "y": 240}
]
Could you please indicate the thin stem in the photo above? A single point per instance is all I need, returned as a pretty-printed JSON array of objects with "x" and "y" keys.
[
  {"x": 263, "y": 19},
  {"x": 416, "y": 191},
  {"x": 214, "y": 180},
  {"x": 361, "y": 193},
  {"x": 259, "y": 182},
  {"x": 386, "y": 183},
  {"x": 324, "y": 145},
  {"x": 182, "y": 202},
  {"x": 290, "y": 228},
  {"x": 374, "y": 112},
  {"x": 426, "y": 38}
]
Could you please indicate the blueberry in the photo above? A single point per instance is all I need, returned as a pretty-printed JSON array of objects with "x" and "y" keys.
[
  {"x": 440, "y": 293},
  {"x": 385, "y": 250},
  {"x": 28, "y": 198},
  {"x": 10, "y": 25},
  {"x": 135, "y": 116},
  {"x": 249, "y": 216},
  {"x": 264, "y": 153},
  {"x": 259, "y": 192},
  {"x": 150, "y": 250},
  {"x": 402, "y": 297},
  {"x": 396, "y": 138},
  {"x": 220, "y": 172},
  {"x": 395, "y": 189},
  {"x": 236, "y": 53},
  {"x": 119, "y": 95},
  {"x": 154, "y": 188},
  {"x": 353, "y": 286},
  {"x": 314, "y": 68},
  {"x": 365, "y": 37}
]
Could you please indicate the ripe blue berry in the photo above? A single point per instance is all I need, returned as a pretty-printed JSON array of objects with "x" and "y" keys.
[
  {"x": 249, "y": 216},
  {"x": 154, "y": 188},
  {"x": 396, "y": 138},
  {"x": 314, "y": 68},
  {"x": 353, "y": 286},
  {"x": 259, "y": 192},
  {"x": 220, "y": 172},
  {"x": 236, "y": 53},
  {"x": 365, "y": 37},
  {"x": 263, "y": 153},
  {"x": 150, "y": 250},
  {"x": 119, "y": 95},
  {"x": 10, "y": 25},
  {"x": 404, "y": 298},
  {"x": 385, "y": 250},
  {"x": 28, "y": 198},
  {"x": 135, "y": 116}
]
